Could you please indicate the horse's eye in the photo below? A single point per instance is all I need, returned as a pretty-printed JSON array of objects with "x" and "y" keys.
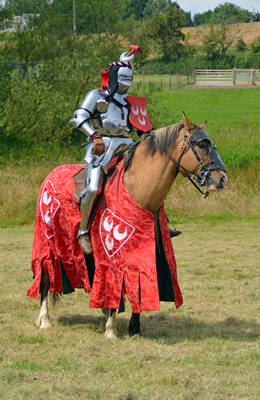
[{"x": 203, "y": 145}]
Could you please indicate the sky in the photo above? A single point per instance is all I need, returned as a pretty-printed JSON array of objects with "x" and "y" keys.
[{"x": 199, "y": 6}]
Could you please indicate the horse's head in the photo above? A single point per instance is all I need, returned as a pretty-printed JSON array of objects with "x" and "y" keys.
[{"x": 198, "y": 158}]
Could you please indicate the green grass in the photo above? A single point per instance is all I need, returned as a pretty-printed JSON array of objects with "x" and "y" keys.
[{"x": 232, "y": 115}]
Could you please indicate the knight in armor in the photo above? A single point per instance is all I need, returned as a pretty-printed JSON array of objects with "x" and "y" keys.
[{"x": 103, "y": 117}]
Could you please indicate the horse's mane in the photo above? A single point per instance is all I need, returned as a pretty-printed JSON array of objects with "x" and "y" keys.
[
  {"x": 161, "y": 139},
  {"x": 156, "y": 140}
]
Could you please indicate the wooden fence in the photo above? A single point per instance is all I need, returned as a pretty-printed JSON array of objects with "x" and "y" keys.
[
  {"x": 222, "y": 77},
  {"x": 164, "y": 82}
]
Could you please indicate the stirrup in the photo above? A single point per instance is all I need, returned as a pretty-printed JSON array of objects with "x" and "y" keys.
[
  {"x": 81, "y": 233},
  {"x": 174, "y": 232}
]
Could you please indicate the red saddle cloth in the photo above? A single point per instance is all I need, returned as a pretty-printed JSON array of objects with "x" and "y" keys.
[
  {"x": 123, "y": 240},
  {"x": 55, "y": 233}
]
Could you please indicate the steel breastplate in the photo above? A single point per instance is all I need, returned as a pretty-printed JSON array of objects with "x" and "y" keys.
[{"x": 114, "y": 120}]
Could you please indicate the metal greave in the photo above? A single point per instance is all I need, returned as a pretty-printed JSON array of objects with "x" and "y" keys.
[{"x": 88, "y": 193}]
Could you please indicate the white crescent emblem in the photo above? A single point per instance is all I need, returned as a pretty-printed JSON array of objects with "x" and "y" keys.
[
  {"x": 108, "y": 226},
  {"x": 141, "y": 120},
  {"x": 47, "y": 218},
  {"x": 118, "y": 235},
  {"x": 143, "y": 112},
  {"x": 135, "y": 110},
  {"x": 109, "y": 244},
  {"x": 45, "y": 198}
]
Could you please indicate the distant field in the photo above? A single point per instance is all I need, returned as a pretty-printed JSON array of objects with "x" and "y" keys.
[
  {"x": 206, "y": 350},
  {"x": 247, "y": 31}
]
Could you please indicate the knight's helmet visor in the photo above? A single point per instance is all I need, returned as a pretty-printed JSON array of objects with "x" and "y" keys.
[{"x": 125, "y": 76}]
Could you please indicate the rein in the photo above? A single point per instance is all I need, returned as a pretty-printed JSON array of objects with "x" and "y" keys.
[{"x": 192, "y": 178}]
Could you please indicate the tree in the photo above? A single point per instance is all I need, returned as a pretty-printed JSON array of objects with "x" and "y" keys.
[
  {"x": 136, "y": 7},
  {"x": 255, "y": 46},
  {"x": 188, "y": 19},
  {"x": 163, "y": 29},
  {"x": 203, "y": 18},
  {"x": 19, "y": 7},
  {"x": 229, "y": 13},
  {"x": 240, "y": 45},
  {"x": 156, "y": 6},
  {"x": 217, "y": 42}
]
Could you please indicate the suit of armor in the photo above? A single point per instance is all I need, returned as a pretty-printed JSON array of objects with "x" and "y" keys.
[{"x": 103, "y": 112}]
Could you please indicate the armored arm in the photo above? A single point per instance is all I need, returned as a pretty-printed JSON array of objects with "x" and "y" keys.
[{"x": 84, "y": 114}]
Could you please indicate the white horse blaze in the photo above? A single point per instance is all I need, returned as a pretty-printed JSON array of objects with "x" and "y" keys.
[{"x": 118, "y": 235}]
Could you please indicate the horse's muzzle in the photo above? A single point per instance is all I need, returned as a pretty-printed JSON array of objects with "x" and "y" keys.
[{"x": 218, "y": 184}]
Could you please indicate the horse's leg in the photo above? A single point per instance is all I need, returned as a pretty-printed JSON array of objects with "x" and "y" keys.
[
  {"x": 43, "y": 321},
  {"x": 110, "y": 325},
  {"x": 134, "y": 325}
]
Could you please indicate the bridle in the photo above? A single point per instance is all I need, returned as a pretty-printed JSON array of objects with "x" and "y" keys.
[{"x": 214, "y": 163}]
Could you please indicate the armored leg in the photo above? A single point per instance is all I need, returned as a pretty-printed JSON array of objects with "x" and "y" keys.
[{"x": 86, "y": 198}]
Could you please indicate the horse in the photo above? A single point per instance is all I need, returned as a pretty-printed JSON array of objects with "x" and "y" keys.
[{"x": 152, "y": 169}]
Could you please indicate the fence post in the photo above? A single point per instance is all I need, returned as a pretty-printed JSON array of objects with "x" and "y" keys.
[
  {"x": 193, "y": 75},
  {"x": 161, "y": 83},
  {"x": 253, "y": 76},
  {"x": 170, "y": 82},
  {"x": 149, "y": 86},
  {"x": 234, "y": 76}
]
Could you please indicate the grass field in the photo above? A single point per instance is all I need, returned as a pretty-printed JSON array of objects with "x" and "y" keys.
[
  {"x": 207, "y": 349},
  {"x": 232, "y": 115}
]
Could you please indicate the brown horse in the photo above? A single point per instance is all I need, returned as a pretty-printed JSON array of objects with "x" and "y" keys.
[{"x": 156, "y": 161}]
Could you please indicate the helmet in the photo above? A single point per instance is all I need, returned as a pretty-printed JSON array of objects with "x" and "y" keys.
[{"x": 119, "y": 77}]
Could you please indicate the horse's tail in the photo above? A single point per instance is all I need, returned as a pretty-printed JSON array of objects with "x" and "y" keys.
[{"x": 54, "y": 298}]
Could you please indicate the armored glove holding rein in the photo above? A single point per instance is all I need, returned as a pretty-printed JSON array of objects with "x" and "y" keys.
[{"x": 99, "y": 145}]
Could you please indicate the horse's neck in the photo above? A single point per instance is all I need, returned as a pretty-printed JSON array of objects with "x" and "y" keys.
[{"x": 149, "y": 178}]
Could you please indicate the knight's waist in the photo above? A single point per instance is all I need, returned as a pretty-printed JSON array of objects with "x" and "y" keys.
[{"x": 122, "y": 131}]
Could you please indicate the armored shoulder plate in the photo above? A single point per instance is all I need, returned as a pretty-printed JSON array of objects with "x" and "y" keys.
[
  {"x": 90, "y": 101},
  {"x": 86, "y": 111}
]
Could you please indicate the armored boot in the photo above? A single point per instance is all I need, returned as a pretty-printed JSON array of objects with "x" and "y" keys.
[
  {"x": 86, "y": 197},
  {"x": 83, "y": 233}
]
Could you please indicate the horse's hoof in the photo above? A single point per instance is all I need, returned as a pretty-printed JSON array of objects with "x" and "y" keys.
[
  {"x": 42, "y": 324},
  {"x": 131, "y": 334},
  {"x": 37, "y": 323},
  {"x": 110, "y": 334},
  {"x": 45, "y": 325}
]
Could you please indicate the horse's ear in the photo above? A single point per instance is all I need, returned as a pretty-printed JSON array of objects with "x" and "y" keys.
[
  {"x": 187, "y": 122},
  {"x": 203, "y": 125}
]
